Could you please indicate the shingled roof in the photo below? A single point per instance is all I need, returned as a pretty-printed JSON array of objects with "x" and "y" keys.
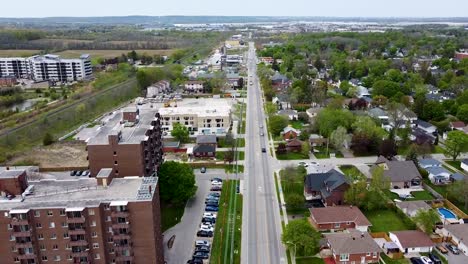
[
  {"x": 339, "y": 214},
  {"x": 398, "y": 171},
  {"x": 354, "y": 242},
  {"x": 320, "y": 181}
]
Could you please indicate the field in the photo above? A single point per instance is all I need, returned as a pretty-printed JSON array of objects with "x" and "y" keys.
[
  {"x": 18, "y": 53},
  {"x": 109, "y": 53}
]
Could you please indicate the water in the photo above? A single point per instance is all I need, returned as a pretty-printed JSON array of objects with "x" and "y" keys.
[
  {"x": 446, "y": 213},
  {"x": 25, "y": 105}
]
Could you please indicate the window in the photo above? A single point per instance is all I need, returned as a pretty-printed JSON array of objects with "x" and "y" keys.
[
  {"x": 6, "y": 214},
  {"x": 40, "y": 236},
  {"x": 65, "y": 225},
  {"x": 115, "y": 153},
  {"x": 111, "y": 250},
  {"x": 97, "y": 256},
  {"x": 108, "y": 218},
  {"x": 37, "y": 214},
  {"x": 56, "y": 258},
  {"x": 42, "y": 247},
  {"x": 109, "y": 229},
  {"x": 51, "y": 225},
  {"x": 106, "y": 207},
  {"x": 53, "y": 236},
  {"x": 337, "y": 225},
  {"x": 115, "y": 162},
  {"x": 93, "y": 234},
  {"x": 374, "y": 254},
  {"x": 62, "y": 212},
  {"x": 67, "y": 246},
  {"x": 348, "y": 223},
  {"x": 65, "y": 235},
  {"x": 16, "y": 259},
  {"x": 116, "y": 171},
  {"x": 50, "y": 213},
  {"x": 91, "y": 211},
  {"x": 14, "y": 249},
  {"x": 44, "y": 258},
  {"x": 344, "y": 257},
  {"x": 110, "y": 240},
  {"x": 38, "y": 225},
  {"x": 95, "y": 245},
  {"x": 93, "y": 223},
  {"x": 55, "y": 247},
  {"x": 70, "y": 257}
]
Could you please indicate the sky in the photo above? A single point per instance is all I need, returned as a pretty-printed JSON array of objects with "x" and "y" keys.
[{"x": 333, "y": 8}]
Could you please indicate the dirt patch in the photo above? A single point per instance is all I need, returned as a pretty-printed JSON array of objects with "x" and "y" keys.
[{"x": 62, "y": 154}]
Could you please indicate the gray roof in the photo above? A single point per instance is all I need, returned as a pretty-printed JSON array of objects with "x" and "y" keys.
[
  {"x": 171, "y": 144},
  {"x": 399, "y": 171},
  {"x": 206, "y": 139},
  {"x": 204, "y": 149},
  {"x": 424, "y": 124},
  {"x": 287, "y": 112},
  {"x": 465, "y": 161},
  {"x": 459, "y": 231},
  {"x": 457, "y": 176},
  {"x": 429, "y": 162},
  {"x": 279, "y": 77},
  {"x": 10, "y": 173},
  {"x": 376, "y": 112},
  {"x": 354, "y": 242},
  {"x": 319, "y": 181},
  {"x": 437, "y": 171}
]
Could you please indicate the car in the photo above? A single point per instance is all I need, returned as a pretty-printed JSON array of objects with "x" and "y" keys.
[
  {"x": 211, "y": 208},
  {"x": 202, "y": 169},
  {"x": 202, "y": 249},
  {"x": 200, "y": 255},
  {"x": 453, "y": 249},
  {"x": 237, "y": 189},
  {"x": 215, "y": 183},
  {"x": 202, "y": 233},
  {"x": 426, "y": 260},
  {"x": 85, "y": 173},
  {"x": 214, "y": 194},
  {"x": 302, "y": 163},
  {"x": 442, "y": 249},
  {"x": 195, "y": 261},
  {"x": 208, "y": 220},
  {"x": 202, "y": 243},
  {"x": 206, "y": 214},
  {"x": 314, "y": 163},
  {"x": 73, "y": 173},
  {"x": 78, "y": 173},
  {"x": 207, "y": 229},
  {"x": 211, "y": 199},
  {"x": 261, "y": 126},
  {"x": 263, "y": 150},
  {"x": 215, "y": 188},
  {"x": 416, "y": 260},
  {"x": 435, "y": 258},
  {"x": 217, "y": 179},
  {"x": 212, "y": 202},
  {"x": 261, "y": 134}
]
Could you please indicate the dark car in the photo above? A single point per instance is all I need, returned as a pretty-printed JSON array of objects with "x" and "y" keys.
[
  {"x": 203, "y": 170},
  {"x": 202, "y": 249},
  {"x": 435, "y": 258},
  {"x": 263, "y": 150},
  {"x": 203, "y": 233},
  {"x": 201, "y": 255},
  {"x": 78, "y": 173},
  {"x": 215, "y": 188},
  {"x": 212, "y": 203},
  {"x": 73, "y": 173},
  {"x": 210, "y": 208},
  {"x": 453, "y": 249},
  {"x": 209, "y": 220},
  {"x": 195, "y": 261},
  {"x": 415, "y": 260},
  {"x": 214, "y": 195}
]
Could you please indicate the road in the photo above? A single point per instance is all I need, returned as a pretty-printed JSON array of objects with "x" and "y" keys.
[{"x": 261, "y": 229}]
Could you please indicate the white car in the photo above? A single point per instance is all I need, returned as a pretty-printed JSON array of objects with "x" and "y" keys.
[
  {"x": 206, "y": 226},
  {"x": 209, "y": 215},
  {"x": 216, "y": 183},
  {"x": 202, "y": 243},
  {"x": 426, "y": 260},
  {"x": 210, "y": 229}
]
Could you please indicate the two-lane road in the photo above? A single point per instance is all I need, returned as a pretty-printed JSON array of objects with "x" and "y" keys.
[{"x": 261, "y": 236}]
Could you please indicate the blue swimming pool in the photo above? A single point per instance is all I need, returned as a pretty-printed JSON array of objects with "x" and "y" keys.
[{"x": 446, "y": 213}]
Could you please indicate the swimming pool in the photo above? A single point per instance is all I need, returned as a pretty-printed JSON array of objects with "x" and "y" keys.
[{"x": 446, "y": 213}]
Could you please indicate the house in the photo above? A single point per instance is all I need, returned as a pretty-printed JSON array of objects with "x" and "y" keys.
[
  {"x": 158, "y": 88},
  {"x": 420, "y": 136},
  {"x": 458, "y": 233},
  {"x": 362, "y": 92},
  {"x": 171, "y": 146},
  {"x": 207, "y": 140},
  {"x": 279, "y": 81},
  {"x": 457, "y": 125},
  {"x": 316, "y": 140},
  {"x": 328, "y": 187},
  {"x": 402, "y": 174},
  {"x": 412, "y": 241},
  {"x": 426, "y": 127},
  {"x": 313, "y": 112},
  {"x": 204, "y": 151},
  {"x": 194, "y": 86},
  {"x": 464, "y": 164},
  {"x": 457, "y": 177},
  {"x": 294, "y": 145},
  {"x": 379, "y": 114},
  {"x": 337, "y": 218},
  {"x": 290, "y": 132},
  {"x": 411, "y": 208},
  {"x": 438, "y": 175},
  {"x": 234, "y": 80},
  {"x": 353, "y": 247},
  {"x": 429, "y": 163},
  {"x": 288, "y": 113}
]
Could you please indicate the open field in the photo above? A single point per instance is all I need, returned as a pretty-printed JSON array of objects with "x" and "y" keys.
[
  {"x": 110, "y": 53},
  {"x": 18, "y": 53}
]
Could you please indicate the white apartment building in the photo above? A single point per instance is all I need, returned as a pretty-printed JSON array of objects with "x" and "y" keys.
[
  {"x": 194, "y": 86},
  {"x": 199, "y": 120},
  {"x": 158, "y": 88},
  {"x": 47, "y": 68}
]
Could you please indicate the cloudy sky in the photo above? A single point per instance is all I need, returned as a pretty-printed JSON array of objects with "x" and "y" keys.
[{"x": 339, "y": 8}]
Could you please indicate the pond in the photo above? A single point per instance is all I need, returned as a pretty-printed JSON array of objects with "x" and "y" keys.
[{"x": 26, "y": 104}]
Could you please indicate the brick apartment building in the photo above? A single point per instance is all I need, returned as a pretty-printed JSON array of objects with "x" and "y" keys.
[
  {"x": 85, "y": 220},
  {"x": 129, "y": 143}
]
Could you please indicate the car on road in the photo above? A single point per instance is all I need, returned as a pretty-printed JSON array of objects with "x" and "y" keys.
[
  {"x": 261, "y": 134},
  {"x": 210, "y": 208},
  {"x": 202, "y": 249},
  {"x": 202, "y": 169},
  {"x": 263, "y": 150},
  {"x": 195, "y": 261},
  {"x": 202, "y": 243},
  {"x": 261, "y": 126},
  {"x": 314, "y": 163},
  {"x": 416, "y": 260},
  {"x": 202, "y": 233},
  {"x": 215, "y": 188},
  {"x": 201, "y": 255},
  {"x": 435, "y": 258},
  {"x": 79, "y": 173},
  {"x": 426, "y": 260},
  {"x": 206, "y": 228},
  {"x": 73, "y": 173},
  {"x": 210, "y": 215},
  {"x": 303, "y": 164},
  {"x": 442, "y": 249},
  {"x": 454, "y": 249}
]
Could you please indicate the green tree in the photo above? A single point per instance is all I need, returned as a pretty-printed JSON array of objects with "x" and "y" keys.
[
  {"x": 379, "y": 181},
  {"x": 48, "y": 139},
  {"x": 388, "y": 148},
  {"x": 385, "y": 88},
  {"x": 277, "y": 124},
  {"x": 426, "y": 219},
  {"x": 456, "y": 143},
  {"x": 462, "y": 113},
  {"x": 457, "y": 191},
  {"x": 299, "y": 235},
  {"x": 305, "y": 149},
  {"x": 176, "y": 182},
  {"x": 367, "y": 126},
  {"x": 294, "y": 201},
  {"x": 180, "y": 132},
  {"x": 356, "y": 193},
  {"x": 338, "y": 137},
  {"x": 329, "y": 120}
]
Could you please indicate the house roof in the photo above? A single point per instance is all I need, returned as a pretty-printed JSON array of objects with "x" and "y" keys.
[
  {"x": 354, "y": 242},
  {"x": 413, "y": 239},
  {"x": 287, "y": 112},
  {"x": 413, "y": 206},
  {"x": 377, "y": 112},
  {"x": 204, "y": 148},
  {"x": 429, "y": 163},
  {"x": 339, "y": 214},
  {"x": 206, "y": 139},
  {"x": 465, "y": 161},
  {"x": 10, "y": 173},
  {"x": 458, "y": 231},
  {"x": 279, "y": 77},
  {"x": 398, "y": 171},
  {"x": 171, "y": 144},
  {"x": 423, "y": 124},
  {"x": 457, "y": 124},
  {"x": 437, "y": 171},
  {"x": 457, "y": 176},
  {"x": 290, "y": 129},
  {"x": 320, "y": 181},
  {"x": 294, "y": 143}
]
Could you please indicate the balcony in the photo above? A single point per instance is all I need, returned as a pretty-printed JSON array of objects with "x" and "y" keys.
[
  {"x": 76, "y": 220},
  {"x": 24, "y": 245},
  {"x": 27, "y": 256},
  {"x": 80, "y": 254},
  {"x": 16, "y": 222},
  {"x": 120, "y": 214},
  {"x": 76, "y": 232},
  {"x": 121, "y": 236},
  {"x": 22, "y": 233},
  {"x": 78, "y": 243},
  {"x": 118, "y": 246},
  {"x": 124, "y": 258},
  {"x": 121, "y": 225}
]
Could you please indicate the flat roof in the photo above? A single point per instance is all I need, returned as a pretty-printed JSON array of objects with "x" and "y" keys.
[{"x": 11, "y": 173}]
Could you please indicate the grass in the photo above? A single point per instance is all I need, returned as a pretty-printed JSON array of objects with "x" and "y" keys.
[
  {"x": 109, "y": 53},
  {"x": 393, "y": 261},
  {"x": 385, "y": 221},
  {"x": 418, "y": 196},
  {"x": 238, "y": 230},
  {"x": 170, "y": 215},
  {"x": 352, "y": 172},
  {"x": 221, "y": 222},
  {"x": 309, "y": 260},
  {"x": 456, "y": 164},
  {"x": 232, "y": 168},
  {"x": 18, "y": 53},
  {"x": 322, "y": 154},
  {"x": 220, "y": 155},
  {"x": 292, "y": 182},
  {"x": 222, "y": 143},
  {"x": 296, "y": 124},
  {"x": 292, "y": 156}
]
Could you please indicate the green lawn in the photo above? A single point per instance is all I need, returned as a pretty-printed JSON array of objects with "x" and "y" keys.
[
  {"x": 220, "y": 155},
  {"x": 311, "y": 260},
  {"x": 418, "y": 196},
  {"x": 393, "y": 261},
  {"x": 222, "y": 143},
  {"x": 323, "y": 154},
  {"x": 456, "y": 164},
  {"x": 232, "y": 168},
  {"x": 296, "y": 124},
  {"x": 352, "y": 172},
  {"x": 442, "y": 190},
  {"x": 170, "y": 215},
  {"x": 292, "y": 182},
  {"x": 386, "y": 220},
  {"x": 292, "y": 156}
]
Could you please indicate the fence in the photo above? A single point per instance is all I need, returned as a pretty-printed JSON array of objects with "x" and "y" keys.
[
  {"x": 455, "y": 209},
  {"x": 432, "y": 191}
]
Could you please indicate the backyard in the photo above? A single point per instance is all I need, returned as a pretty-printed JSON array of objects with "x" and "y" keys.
[
  {"x": 292, "y": 156},
  {"x": 417, "y": 196},
  {"x": 352, "y": 172},
  {"x": 386, "y": 220},
  {"x": 323, "y": 153}
]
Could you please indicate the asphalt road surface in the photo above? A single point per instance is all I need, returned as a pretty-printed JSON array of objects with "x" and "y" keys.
[{"x": 261, "y": 228}]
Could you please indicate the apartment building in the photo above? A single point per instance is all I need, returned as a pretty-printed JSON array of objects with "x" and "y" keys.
[
  {"x": 47, "y": 68},
  {"x": 129, "y": 143},
  {"x": 207, "y": 119},
  {"x": 158, "y": 88},
  {"x": 87, "y": 220}
]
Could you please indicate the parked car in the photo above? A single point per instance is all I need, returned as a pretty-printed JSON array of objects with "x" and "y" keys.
[
  {"x": 454, "y": 249},
  {"x": 85, "y": 173},
  {"x": 209, "y": 220},
  {"x": 442, "y": 249},
  {"x": 416, "y": 260},
  {"x": 202, "y": 243},
  {"x": 212, "y": 203},
  {"x": 263, "y": 150},
  {"x": 302, "y": 163},
  {"x": 206, "y": 214},
  {"x": 206, "y": 228},
  {"x": 201, "y": 255},
  {"x": 217, "y": 179},
  {"x": 435, "y": 258},
  {"x": 202, "y": 169},
  {"x": 207, "y": 201},
  {"x": 210, "y": 208},
  {"x": 216, "y": 183},
  {"x": 203, "y": 233},
  {"x": 78, "y": 173},
  {"x": 215, "y": 188},
  {"x": 426, "y": 260},
  {"x": 214, "y": 194},
  {"x": 195, "y": 261},
  {"x": 202, "y": 249},
  {"x": 314, "y": 163},
  {"x": 73, "y": 173}
]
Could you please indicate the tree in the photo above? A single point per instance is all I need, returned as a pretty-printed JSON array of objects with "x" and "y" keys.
[
  {"x": 457, "y": 191},
  {"x": 385, "y": 88},
  {"x": 338, "y": 138},
  {"x": 329, "y": 120},
  {"x": 379, "y": 100},
  {"x": 462, "y": 113},
  {"x": 299, "y": 235},
  {"x": 281, "y": 149},
  {"x": 177, "y": 182},
  {"x": 388, "y": 148},
  {"x": 48, "y": 139},
  {"x": 433, "y": 111},
  {"x": 356, "y": 193},
  {"x": 362, "y": 144},
  {"x": 277, "y": 124},
  {"x": 294, "y": 201},
  {"x": 379, "y": 181},
  {"x": 305, "y": 149},
  {"x": 180, "y": 132},
  {"x": 456, "y": 143},
  {"x": 426, "y": 219}
]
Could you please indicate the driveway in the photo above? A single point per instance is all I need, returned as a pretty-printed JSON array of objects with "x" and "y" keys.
[
  {"x": 186, "y": 230},
  {"x": 457, "y": 259}
]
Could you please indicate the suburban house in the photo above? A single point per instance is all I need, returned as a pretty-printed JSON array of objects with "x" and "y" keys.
[
  {"x": 317, "y": 140},
  {"x": 379, "y": 114},
  {"x": 411, "y": 208},
  {"x": 194, "y": 86},
  {"x": 313, "y": 112},
  {"x": 328, "y": 187},
  {"x": 362, "y": 92},
  {"x": 234, "y": 80},
  {"x": 464, "y": 165},
  {"x": 207, "y": 140},
  {"x": 403, "y": 116},
  {"x": 457, "y": 125},
  {"x": 288, "y": 113},
  {"x": 171, "y": 146},
  {"x": 412, "y": 241},
  {"x": 290, "y": 132},
  {"x": 458, "y": 233},
  {"x": 425, "y": 126},
  {"x": 438, "y": 175},
  {"x": 336, "y": 218},
  {"x": 279, "y": 81},
  {"x": 204, "y": 151},
  {"x": 429, "y": 163},
  {"x": 294, "y": 145},
  {"x": 353, "y": 247},
  {"x": 402, "y": 174}
]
